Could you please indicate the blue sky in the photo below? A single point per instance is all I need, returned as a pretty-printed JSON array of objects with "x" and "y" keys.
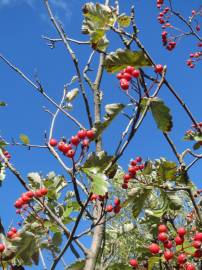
[{"x": 22, "y": 24}]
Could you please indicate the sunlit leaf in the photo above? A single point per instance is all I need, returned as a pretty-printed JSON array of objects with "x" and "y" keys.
[{"x": 24, "y": 139}]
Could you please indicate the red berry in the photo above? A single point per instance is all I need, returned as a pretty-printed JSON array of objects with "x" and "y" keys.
[
  {"x": 129, "y": 69},
  {"x": 30, "y": 194},
  {"x": 10, "y": 234},
  {"x": 117, "y": 209},
  {"x": 168, "y": 255},
  {"x": 168, "y": 244},
  {"x": 154, "y": 248},
  {"x": 124, "y": 84},
  {"x": 162, "y": 228},
  {"x": 66, "y": 147},
  {"x": 132, "y": 170},
  {"x": 136, "y": 73},
  {"x": 158, "y": 69},
  {"x": 181, "y": 259},
  {"x": 38, "y": 194},
  {"x": 90, "y": 134},
  {"x": 196, "y": 244},
  {"x": 138, "y": 159},
  {"x": 44, "y": 191},
  {"x": 127, "y": 76},
  {"x": 14, "y": 230},
  {"x": 198, "y": 236},
  {"x": 70, "y": 153},
  {"x": 93, "y": 197},
  {"x": 162, "y": 237},
  {"x": 25, "y": 198},
  {"x": 124, "y": 186},
  {"x": 53, "y": 142},
  {"x": 85, "y": 143},
  {"x": 75, "y": 140},
  {"x": 127, "y": 177},
  {"x": 133, "y": 263},
  {"x": 141, "y": 166},
  {"x": 190, "y": 266},
  {"x": 179, "y": 240},
  {"x": 81, "y": 134},
  {"x": 198, "y": 253},
  {"x": 60, "y": 146},
  {"x": 18, "y": 203},
  {"x": 181, "y": 231},
  {"x": 133, "y": 163},
  {"x": 116, "y": 201},
  {"x": 2, "y": 247},
  {"x": 119, "y": 75},
  {"x": 109, "y": 208}
]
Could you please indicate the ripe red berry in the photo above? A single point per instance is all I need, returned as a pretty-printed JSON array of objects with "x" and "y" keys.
[
  {"x": 138, "y": 159},
  {"x": 181, "y": 259},
  {"x": 132, "y": 170},
  {"x": 30, "y": 194},
  {"x": 14, "y": 229},
  {"x": 90, "y": 134},
  {"x": 181, "y": 231},
  {"x": 162, "y": 228},
  {"x": 85, "y": 143},
  {"x": 196, "y": 244},
  {"x": 109, "y": 208},
  {"x": 124, "y": 84},
  {"x": 127, "y": 76},
  {"x": 198, "y": 236},
  {"x": 119, "y": 75},
  {"x": 162, "y": 237},
  {"x": 66, "y": 147},
  {"x": 75, "y": 140},
  {"x": 116, "y": 201},
  {"x": 127, "y": 177},
  {"x": 117, "y": 209},
  {"x": 60, "y": 146},
  {"x": 129, "y": 69},
  {"x": 179, "y": 240},
  {"x": 44, "y": 191},
  {"x": 81, "y": 134},
  {"x": 70, "y": 153},
  {"x": 136, "y": 73},
  {"x": 133, "y": 163},
  {"x": 93, "y": 197},
  {"x": 198, "y": 253},
  {"x": 124, "y": 186},
  {"x": 154, "y": 248},
  {"x": 168, "y": 244},
  {"x": 168, "y": 255},
  {"x": 133, "y": 263},
  {"x": 25, "y": 198},
  {"x": 2, "y": 247},
  {"x": 18, "y": 203},
  {"x": 190, "y": 266},
  {"x": 53, "y": 142},
  {"x": 38, "y": 194},
  {"x": 158, "y": 69},
  {"x": 10, "y": 234}
]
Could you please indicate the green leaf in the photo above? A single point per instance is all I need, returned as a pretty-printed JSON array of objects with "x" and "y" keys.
[
  {"x": 78, "y": 265},
  {"x": 2, "y": 143},
  {"x": 187, "y": 247},
  {"x": 138, "y": 196},
  {"x": 57, "y": 239},
  {"x": 24, "y": 138},
  {"x": 161, "y": 114},
  {"x": 196, "y": 145},
  {"x": 152, "y": 261},
  {"x": 101, "y": 44},
  {"x": 99, "y": 183},
  {"x": 124, "y": 20},
  {"x": 119, "y": 266},
  {"x": 147, "y": 168},
  {"x": 2, "y": 104},
  {"x": 116, "y": 61},
  {"x": 34, "y": 179},
  {"x": 72, "y": 94},
  {"x": 112, "y": 110},
  {"x": 166, "y": 170}
]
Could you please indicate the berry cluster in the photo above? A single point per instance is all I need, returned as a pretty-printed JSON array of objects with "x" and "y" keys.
[
  {"x": 133, "y": 168},
  {"x": 101, "y": 198},
  {"x": 29, "y": 195},
  {"x": 169, "y": 246},
  {"x": 116, "y": 208},
  {"x": 194, "y": 57},
  {"x": 2, "y": 247},
  {"x": 12, "y": 233},
  {"x": 126, "y": 75},
  {"x": 82, "y": 137},
  {"x": 159, "y": 3}
]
